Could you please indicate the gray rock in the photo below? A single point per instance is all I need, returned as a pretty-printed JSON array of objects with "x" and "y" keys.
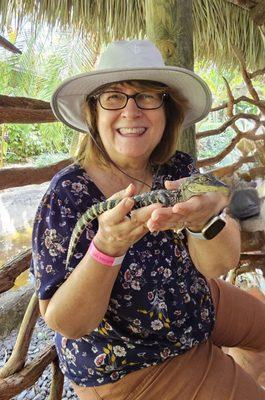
[{"x": 41, "y": 338}]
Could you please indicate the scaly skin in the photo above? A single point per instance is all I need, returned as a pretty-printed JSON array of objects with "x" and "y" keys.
[{"x": 192, "y": 186}]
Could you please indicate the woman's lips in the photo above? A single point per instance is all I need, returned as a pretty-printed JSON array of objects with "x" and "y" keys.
[{"x": 132, "y": 131}]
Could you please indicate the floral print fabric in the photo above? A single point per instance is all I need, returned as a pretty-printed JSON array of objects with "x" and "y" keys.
[{"x": 160, "y": 304}]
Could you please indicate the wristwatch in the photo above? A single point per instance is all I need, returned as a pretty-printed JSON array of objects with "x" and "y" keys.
[{"x": 211, "y": 228}]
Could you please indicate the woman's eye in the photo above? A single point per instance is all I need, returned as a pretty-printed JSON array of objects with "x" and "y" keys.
[
  {"x": 147, "y": 96},
  {"x": 114, "y": 96}
]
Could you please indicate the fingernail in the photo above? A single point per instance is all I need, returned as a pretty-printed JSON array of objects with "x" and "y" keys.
[
  {"x": 129, "y": 202},
  {"x": 155, "y": 217}
]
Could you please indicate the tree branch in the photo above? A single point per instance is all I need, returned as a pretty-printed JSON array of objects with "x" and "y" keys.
[
  {"x": 259, "y": 104},
  {"x": 226, "y": 124},
  {"x": 9, "y": 46},
  {"x": 250, "y": 87},
  {"x": 256, "y": 73},
  {"x": 228, "y": 170},
  {"x": 213, "y": 160},
  {"x": 254, "y": 173},
  {"x": 229, "y": 148}
]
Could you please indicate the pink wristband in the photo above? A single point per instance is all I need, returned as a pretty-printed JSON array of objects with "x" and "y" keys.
[{"x": 104, "y": 258}]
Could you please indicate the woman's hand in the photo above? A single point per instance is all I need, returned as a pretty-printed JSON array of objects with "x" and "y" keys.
[
  {"x": 193, "y": 213},
  {"x": 117, "y": 231}
]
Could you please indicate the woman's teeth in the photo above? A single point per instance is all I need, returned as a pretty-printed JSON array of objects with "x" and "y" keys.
[{"x": 132, "y": 131}]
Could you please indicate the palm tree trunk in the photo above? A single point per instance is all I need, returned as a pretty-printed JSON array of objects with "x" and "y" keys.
[{"x": 169, "y": 27}]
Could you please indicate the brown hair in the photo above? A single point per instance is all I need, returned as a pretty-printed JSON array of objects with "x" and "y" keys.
[{"x": 176, "y": 105}]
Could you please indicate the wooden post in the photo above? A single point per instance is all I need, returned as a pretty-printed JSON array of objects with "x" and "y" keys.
[
  {"x": 57, "y": 383},
  {"x": 19, "y": 354},
  {"x": 169, "y": 27}
]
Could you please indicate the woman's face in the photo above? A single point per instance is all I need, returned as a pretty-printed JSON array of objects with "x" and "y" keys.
[{"x": 130, "y": 135}]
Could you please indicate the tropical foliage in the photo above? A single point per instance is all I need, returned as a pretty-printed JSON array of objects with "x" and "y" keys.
[{"x": 47, "y": 59}]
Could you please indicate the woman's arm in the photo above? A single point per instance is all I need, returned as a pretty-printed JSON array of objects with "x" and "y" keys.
[
  {"x": 217, "y": 256},
  {"x": 80, "y": 303},
  {"x": 212, "y": 257}
]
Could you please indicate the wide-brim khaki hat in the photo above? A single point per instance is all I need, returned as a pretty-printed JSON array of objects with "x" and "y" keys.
[{"x": 123, "y": 61}]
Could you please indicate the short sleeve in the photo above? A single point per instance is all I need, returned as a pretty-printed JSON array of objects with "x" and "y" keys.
[
  {"x": 179, "y": 166},
  {"x": 55, "y": 219},
  {"x": 185, "y": 164}
]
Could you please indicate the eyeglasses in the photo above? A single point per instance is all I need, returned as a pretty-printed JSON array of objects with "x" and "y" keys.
[{"x": 113, "y": 100}]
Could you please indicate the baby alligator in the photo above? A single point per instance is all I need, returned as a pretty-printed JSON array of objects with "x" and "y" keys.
[{"x": 192, "y": 186}]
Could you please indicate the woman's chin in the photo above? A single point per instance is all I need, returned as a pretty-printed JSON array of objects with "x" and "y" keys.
[{"x": 132, "y": 154}]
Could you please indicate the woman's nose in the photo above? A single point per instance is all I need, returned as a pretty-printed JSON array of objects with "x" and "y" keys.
[{"x": 131, "y": 110}]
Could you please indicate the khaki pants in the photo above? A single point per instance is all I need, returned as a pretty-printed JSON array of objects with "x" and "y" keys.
[{"x": 205, "y": 372}]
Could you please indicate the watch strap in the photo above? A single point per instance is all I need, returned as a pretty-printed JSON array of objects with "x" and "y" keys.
[{"x": 221, "y": 217}]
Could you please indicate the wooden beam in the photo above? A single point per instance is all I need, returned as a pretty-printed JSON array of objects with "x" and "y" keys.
[
  {"x": 23, "y": 102},
  {"x": 16, "y": 383},
  {"x": 12, "y": 269},
  {"x": 17, "y": 176},
  {"x": 14, "y": 115},
  {"x": 23, "y": 110}
]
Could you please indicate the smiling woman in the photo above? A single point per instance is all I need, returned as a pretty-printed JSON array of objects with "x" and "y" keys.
[
  {"x": 136, "y": 302},
  {"x": 174, "y": 104}
]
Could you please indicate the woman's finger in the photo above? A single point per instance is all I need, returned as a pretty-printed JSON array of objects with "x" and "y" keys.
[
  {"x": 141, "y": 215},
  {"x": 118, "y": 213},
  {"x": 173, "y": 185},
  {"x": 127, "y": 192}
]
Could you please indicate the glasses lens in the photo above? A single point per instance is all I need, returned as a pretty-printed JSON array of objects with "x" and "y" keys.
[
  {"x": 149, "y": 100},
  {"x": 112, "y": 100}
]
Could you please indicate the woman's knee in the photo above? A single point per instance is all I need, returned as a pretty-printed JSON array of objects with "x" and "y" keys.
[{"x": 240, "y": 317}]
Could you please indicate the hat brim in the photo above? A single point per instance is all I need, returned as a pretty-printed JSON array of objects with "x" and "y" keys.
[{"x": 68, "y": 99}]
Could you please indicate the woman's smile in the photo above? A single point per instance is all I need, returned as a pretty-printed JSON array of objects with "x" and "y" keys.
[{"x": 132, "y": 132}]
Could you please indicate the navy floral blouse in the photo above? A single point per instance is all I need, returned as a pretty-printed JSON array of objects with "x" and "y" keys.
[{"x": 160, "y": 304}]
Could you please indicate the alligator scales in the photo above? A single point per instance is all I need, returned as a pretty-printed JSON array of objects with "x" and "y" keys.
[{"x": 192, "y": 186}]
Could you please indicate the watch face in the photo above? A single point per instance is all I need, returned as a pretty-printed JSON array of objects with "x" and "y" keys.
[{"x": 212, "y": 230}]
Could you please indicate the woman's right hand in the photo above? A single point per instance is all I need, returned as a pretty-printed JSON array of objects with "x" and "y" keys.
[{"x": 117, "y": 232}]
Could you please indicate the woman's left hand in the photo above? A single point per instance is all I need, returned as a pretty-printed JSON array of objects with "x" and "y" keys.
[{"x": 193, "y": 213}]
